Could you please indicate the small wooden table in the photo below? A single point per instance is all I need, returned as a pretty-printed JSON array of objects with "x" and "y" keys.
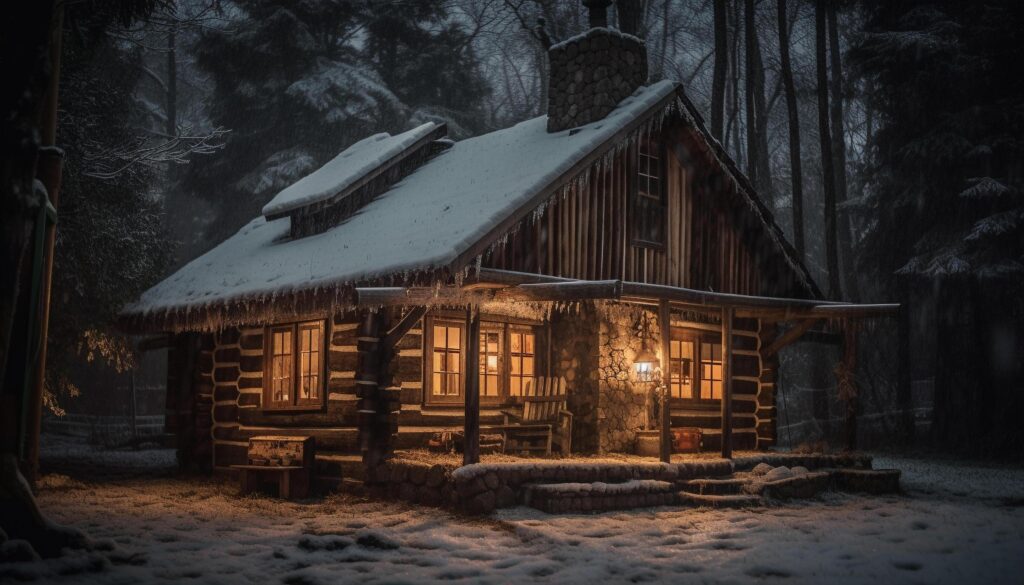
[{"x": 292, "y": 481}]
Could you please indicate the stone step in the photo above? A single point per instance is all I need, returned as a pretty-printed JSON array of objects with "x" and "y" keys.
[
  {"x": 872, "y": 481},
  {"x": 716, "y": 487},
  {"x": 805, "y": 485},
  {"x": 719, "y": 501},
  {"x": 560, "y": 498}
]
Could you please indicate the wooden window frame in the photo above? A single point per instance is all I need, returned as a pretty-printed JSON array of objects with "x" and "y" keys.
[
  {"x": 698, "y": 337},
  {"x": 635, "y": 195},
  {"x": 295, "y": 403},
  {"x": 428, "y": 354},
  {"x": 487, "y": 323}
]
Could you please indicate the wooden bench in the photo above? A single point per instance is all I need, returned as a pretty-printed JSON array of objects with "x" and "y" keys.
[
  {"x": 287, "y": 461},
  {"x": 545, "y": 420},
  {"x": 292, "y": 481}
]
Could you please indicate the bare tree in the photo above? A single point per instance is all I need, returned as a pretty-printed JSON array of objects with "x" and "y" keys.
[
  {"x": 792, "y": 109},
  {"x": 843, "y": 226},
  {"x": 825, "y": 139},
  {"x": 757, "y": 115},
  {"x": 721, "y": 67}
]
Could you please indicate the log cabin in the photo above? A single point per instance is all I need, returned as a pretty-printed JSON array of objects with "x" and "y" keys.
[{"x": 414, "y": 285}]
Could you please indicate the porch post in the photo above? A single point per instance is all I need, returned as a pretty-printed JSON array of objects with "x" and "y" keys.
[
  {"x": 471, "y": 442},
  {"x": 727, "y": 313},
  {"x": 665, "y": 428},
  {"x": 847, "y": 381}
]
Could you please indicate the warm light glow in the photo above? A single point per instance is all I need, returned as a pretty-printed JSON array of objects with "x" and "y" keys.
[{"x": 644, "y": 365}]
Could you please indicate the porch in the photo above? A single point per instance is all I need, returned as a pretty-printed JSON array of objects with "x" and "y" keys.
[{"x": 615, "y": 367}]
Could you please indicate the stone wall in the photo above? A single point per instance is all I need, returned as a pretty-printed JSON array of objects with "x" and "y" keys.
[
  {"x": 623, "y": 398},
  {"x": 590, "y": 74},
  {"x": 575, "y": 356}
]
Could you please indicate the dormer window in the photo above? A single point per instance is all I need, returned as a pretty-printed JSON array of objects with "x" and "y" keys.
[{"x": 649, "y": 205}]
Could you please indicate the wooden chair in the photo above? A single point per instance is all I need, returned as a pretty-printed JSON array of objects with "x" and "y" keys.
[{"x": 543, "y": 422}]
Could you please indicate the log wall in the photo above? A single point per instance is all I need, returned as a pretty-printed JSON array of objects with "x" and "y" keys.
[{"x": 714, "y": 240}]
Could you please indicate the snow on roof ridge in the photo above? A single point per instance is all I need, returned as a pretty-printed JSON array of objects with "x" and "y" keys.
[
  {"x": 345, "y": 169},
  {"x": 590, "y": 31}
]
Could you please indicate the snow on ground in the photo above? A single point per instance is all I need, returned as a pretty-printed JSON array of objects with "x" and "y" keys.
[{"x": 188, "y": 529}]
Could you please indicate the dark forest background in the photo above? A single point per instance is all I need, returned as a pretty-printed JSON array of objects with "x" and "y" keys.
[{"x": 885, "y": 136}]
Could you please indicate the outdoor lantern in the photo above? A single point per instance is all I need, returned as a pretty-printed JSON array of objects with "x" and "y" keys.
[{"x": 644, "y": 364}]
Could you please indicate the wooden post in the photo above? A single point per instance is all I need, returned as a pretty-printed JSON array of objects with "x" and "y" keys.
[
  {"x": 367, "y": 387},
  {"x": 471, "y": 439},
  {"x": 132, "y": 407},
  {"x": 50, "y": 165},
  {"x": 665, "y": 428},
  {"x": 727, "y": 382},
  {"x": 847, "y": 382}
]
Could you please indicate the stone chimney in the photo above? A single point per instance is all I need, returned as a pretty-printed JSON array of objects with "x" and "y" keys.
[{"x": 592, "y": 72}]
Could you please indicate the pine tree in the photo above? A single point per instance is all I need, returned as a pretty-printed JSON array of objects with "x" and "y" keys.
[{"x": 946, "y": 197}]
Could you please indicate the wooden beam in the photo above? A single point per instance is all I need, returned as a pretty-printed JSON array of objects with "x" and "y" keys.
[
  {"x": 408, "y": 322},
  {"x": 665, "y": 428},
  {"x": 789, "y": 336},
  {"x": 471, "y": 437},
  {"x": 576, "y": 290},
  {"x": 727, "y": 383},
  {"x": 398, "y": 296}
]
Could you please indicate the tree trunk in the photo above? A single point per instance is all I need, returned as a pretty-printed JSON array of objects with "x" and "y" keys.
[
  {"x": 721, "y": 66},
  {"x": 172, "y": 85},
  {"x": 749, "y": 35},
  {"x": 796, "y": 170},
  {"x": 663, "y": 53},
  {"x": 904, "y": 395},
  {"x": 764, "y": 187},
  {"x": 825, "y": 139},
  {"x": 843, "y": 225},
  {"x": 630, "y": 13},
  {"x": 733, "y": 127}
]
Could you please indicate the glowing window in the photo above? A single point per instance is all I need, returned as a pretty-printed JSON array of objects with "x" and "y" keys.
[
  {"x": 523, "y": 358},
  {"x": 446, "y": 367},
  {"x": 711, "y": 371},
  {"x": 681, "y": 368},
  {"x": 490, "y": 362},
  {"x": 294, "y": 365}
]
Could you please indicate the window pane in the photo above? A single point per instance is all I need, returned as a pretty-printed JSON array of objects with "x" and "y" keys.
[
  {"x": 454, "y": 387},
  {"x": 528, "y": 365},
  {"x": 439, "y": 336},
  {"x": 529, "y": 339},
  {"x": 436, "y": 386},
  {"x": 438, "y": 361},
  {"x": 517, "y": 365},
  {"x": 454, "y": 338},
  {"x": 454, "y": 363},
  {"x": 516, "y": 343}
]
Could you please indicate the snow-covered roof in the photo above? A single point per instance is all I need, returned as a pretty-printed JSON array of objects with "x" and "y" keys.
[
  {"x": 346, "y": 169},
  {"x": 423, "y": 222}
]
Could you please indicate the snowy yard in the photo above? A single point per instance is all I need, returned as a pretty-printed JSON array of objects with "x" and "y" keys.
[{"x": 957, "y": 524}]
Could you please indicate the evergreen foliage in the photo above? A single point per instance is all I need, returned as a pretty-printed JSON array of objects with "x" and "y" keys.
[{"x": 298, "y": 82}]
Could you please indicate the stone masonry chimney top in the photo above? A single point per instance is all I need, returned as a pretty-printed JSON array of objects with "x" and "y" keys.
[{"x": 591, "y": 73}]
